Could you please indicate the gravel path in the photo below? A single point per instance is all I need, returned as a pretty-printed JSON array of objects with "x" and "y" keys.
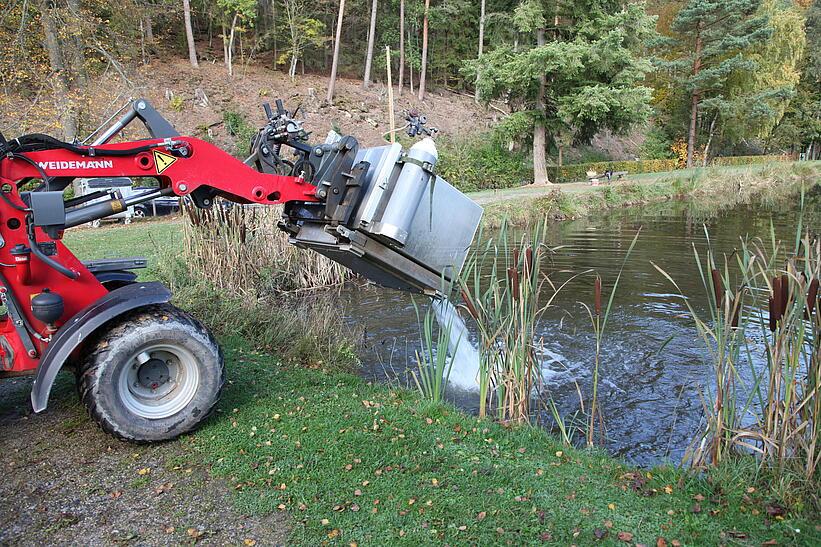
[{"x": 65, "y": 482}]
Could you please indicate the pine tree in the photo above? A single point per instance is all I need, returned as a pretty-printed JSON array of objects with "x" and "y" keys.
[
  {"x": 582, "y": 72},
  {"x": 709, "y": 41}
]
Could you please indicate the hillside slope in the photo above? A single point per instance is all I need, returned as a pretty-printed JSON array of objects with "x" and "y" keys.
[{"x": 171, "y": 85}]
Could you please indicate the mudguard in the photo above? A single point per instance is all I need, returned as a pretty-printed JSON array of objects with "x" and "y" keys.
[{"x": 85, "y": 323}]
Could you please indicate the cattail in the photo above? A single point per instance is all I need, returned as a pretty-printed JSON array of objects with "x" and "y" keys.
[
  {"x": 513, "y": 277},
  {"x": 597, "y": 296},
  {"x": 785, "y": 293},
  {"x": 529, "y": 261},
  {"x": 772, "y": 314},
  {"x": 775, "y": 307},
  {"x": 812, "y": 298},
  {"x": 516, "y": 257},
  {"x": 469, "y": 303},
  {"x": 718, "y": 286},
  {"x": 736, "y": 311}
]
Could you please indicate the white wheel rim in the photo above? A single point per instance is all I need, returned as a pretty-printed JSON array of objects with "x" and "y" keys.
[{"x": 158, "y": 381}]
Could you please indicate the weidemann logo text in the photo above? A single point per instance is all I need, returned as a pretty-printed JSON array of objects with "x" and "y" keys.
[{"x": 79, "y": 164}]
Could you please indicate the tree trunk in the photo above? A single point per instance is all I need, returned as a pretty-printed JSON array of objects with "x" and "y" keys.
[
  {"x": 366, "y": 81},
  {"x": 709, "y": 141},
  {"x": 189, "y": 34},
  {"x": 335, "y": 62},
  {"x": 401, "y": 45},
  {"x": 63, "y": 104},
  {"x": 424, "y": 68},
  {"x": 691, "y": 135},
  {"x": 540, "y": 177},
  {"x": 229, "y": 51},
  {"x": 76, "y": 47},
  {"x": 481, "y": 44},
  {"x": 149, "y": 29},
  {"x": 410, "y": 68}
]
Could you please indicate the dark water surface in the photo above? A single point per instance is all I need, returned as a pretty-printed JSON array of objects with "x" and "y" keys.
[{"x": 654, "y": 366}]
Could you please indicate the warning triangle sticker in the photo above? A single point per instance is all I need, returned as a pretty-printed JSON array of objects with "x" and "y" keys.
[{"x": 163, "y": 161}]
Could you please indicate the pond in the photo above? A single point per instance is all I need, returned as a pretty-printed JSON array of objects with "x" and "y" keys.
[{"x": 654, "y": 367}]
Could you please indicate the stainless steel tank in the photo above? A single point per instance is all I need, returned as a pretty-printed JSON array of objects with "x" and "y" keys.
[{"x": 411, "y": 229}]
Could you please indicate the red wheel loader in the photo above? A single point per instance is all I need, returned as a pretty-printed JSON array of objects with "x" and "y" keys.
[{"x": 146, "y": 370}]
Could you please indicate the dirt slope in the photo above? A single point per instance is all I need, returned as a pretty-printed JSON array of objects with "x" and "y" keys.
[{"x": 171, "y": 85}]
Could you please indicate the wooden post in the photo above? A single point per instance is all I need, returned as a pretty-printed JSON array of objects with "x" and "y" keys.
[{"x": 391, "y": 120}]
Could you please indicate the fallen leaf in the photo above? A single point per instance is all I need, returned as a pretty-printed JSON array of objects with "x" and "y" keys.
[
  {"x": 116, "y": 494},
  {"x": 481, "y": 515},
  {"x": 249, "y": 542},
  {"x": 546, "y": 536},
  {"x": 608, "y": 524},
  {"x": 165, "y": 487},
  {"x": 193, "y": 533},
  {"x": 696, "y": 508},
  {"x": 144, "y": 471},
  {"x": 775, "y": 510},
  {"x": 500, "y": 530},
  {"x": 625, "y": 536},
  {"x": 661, "y": 542},
  {"x": 698, "y": 497},
  {"x": 354, "y": 507},
  {"x": 324, "y": 522},
  {"x": 333, "y": 533},
  {"x": 611, "y": 506},
  {"x": 600, "y": 533}
]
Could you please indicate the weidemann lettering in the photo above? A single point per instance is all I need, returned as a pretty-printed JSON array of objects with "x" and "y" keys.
[{"x": 78, "y": 164}]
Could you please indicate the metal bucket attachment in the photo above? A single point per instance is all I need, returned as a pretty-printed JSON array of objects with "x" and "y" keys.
[{"x": 409, "y": 230}]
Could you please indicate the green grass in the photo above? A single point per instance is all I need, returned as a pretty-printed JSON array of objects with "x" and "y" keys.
[
  {"x": 142, "y": 238},
  {"x": 363, "y": 463}
]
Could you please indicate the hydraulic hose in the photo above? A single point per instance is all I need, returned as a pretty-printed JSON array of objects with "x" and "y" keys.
[{"x": 50, "y": 262}]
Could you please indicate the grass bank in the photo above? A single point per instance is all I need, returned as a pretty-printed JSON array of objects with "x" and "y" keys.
[
  {"x": 353, "y": 463},
  {"x": 716, "y": 187}
]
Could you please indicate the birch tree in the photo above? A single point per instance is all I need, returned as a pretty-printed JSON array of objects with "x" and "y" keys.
[
  {"x": 424, "y": 67},
  {"x": 366, "y": 81},
  {"x": 337, "y": 41}
]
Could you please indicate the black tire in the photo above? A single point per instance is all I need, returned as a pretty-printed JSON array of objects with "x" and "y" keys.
[{"x": 121, "y": 381}]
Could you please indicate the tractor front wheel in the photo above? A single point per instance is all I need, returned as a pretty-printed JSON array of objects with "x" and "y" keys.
[{"x": 152, "y": 375}]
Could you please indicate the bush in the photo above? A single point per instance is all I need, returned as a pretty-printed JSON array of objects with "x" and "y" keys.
[
  {"x": 578, "y": 172},
  {"x": 239, "y": 128},
  {"x": 481, "y": 163},
  {"x": 746, "y": 160}
]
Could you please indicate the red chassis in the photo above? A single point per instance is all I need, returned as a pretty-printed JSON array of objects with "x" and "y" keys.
[{"x": 181, "y": 164}]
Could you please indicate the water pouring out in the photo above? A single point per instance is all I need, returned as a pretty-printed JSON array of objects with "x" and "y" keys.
[{"x": 464, "y": 371}]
